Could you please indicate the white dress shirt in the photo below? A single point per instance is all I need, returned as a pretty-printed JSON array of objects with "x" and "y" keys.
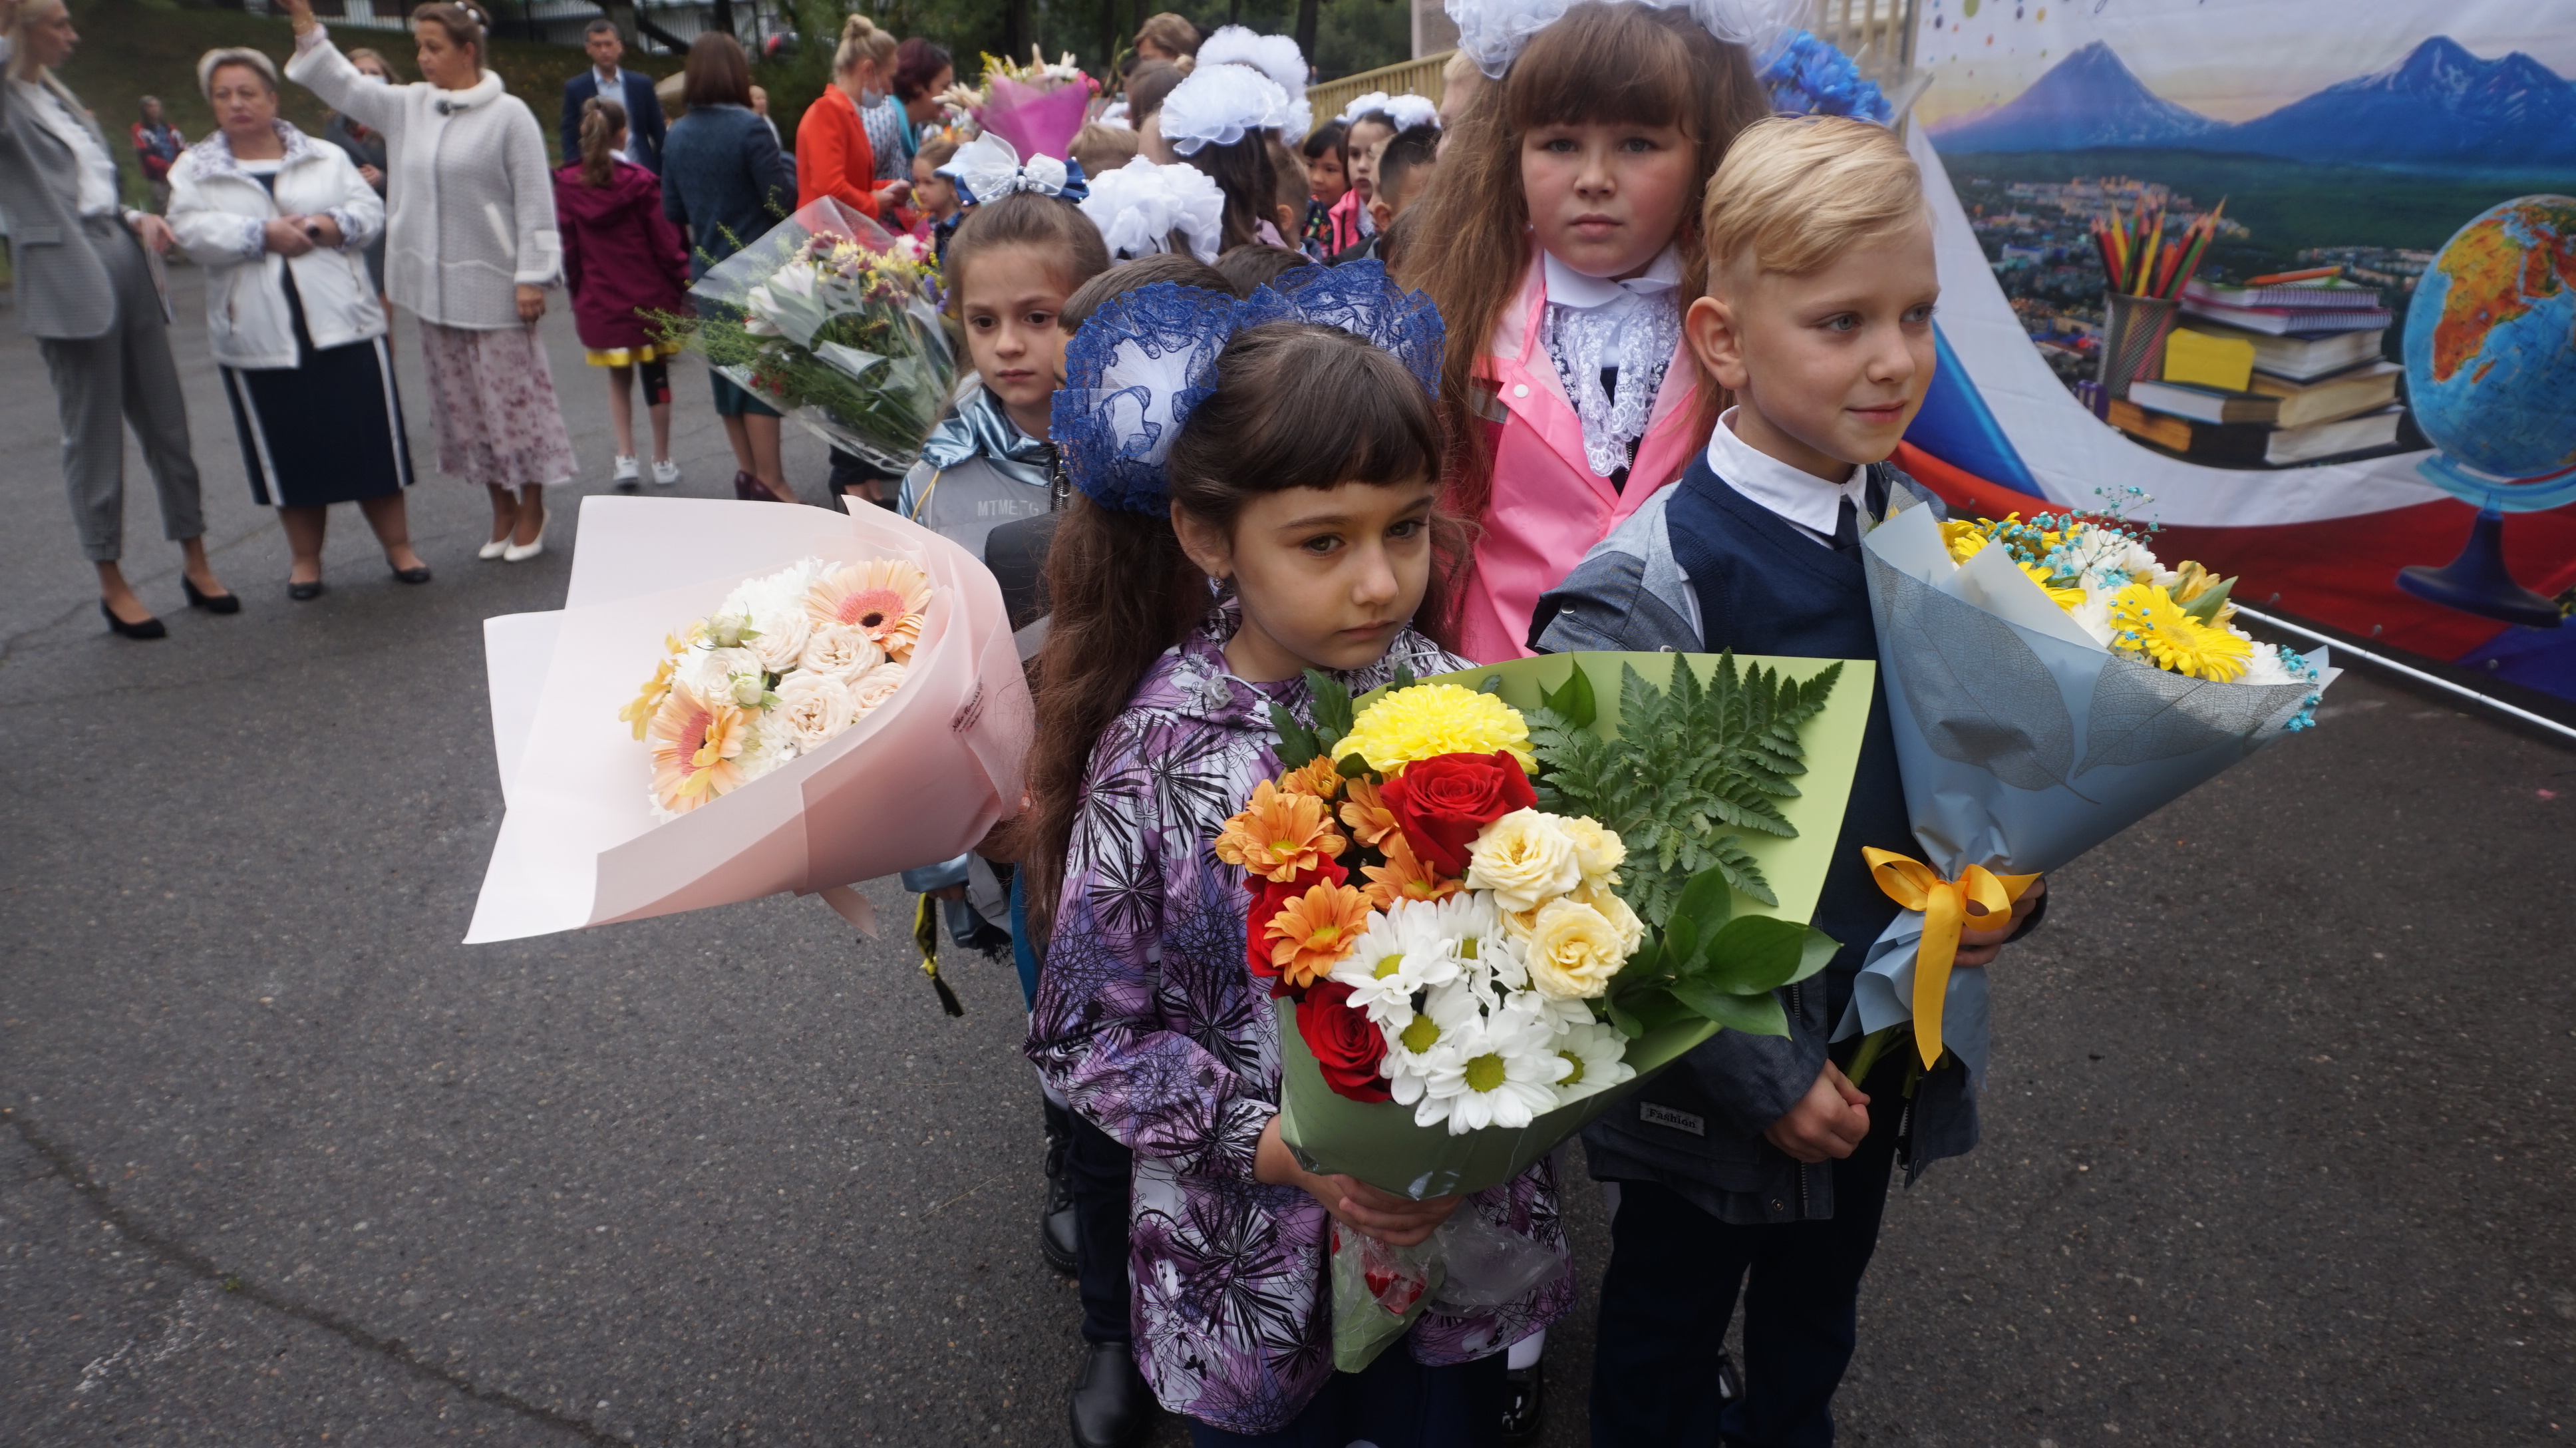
[
  {"x": 97, "y": 194},
  {"x": 1807, "y": 502}
]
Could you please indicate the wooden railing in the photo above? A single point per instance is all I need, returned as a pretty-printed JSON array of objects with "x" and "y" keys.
[{"x": 1405, "y": 77}]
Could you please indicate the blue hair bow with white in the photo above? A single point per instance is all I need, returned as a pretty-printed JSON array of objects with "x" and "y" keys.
[
  {"x": 989, "y": 168},
  {"x": 1146, "y": 360}
]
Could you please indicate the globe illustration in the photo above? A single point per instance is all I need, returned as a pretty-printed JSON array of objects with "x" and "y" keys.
[{"x": 2491, "y": 342}]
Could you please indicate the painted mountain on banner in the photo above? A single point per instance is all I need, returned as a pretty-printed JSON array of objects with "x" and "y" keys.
[{"x": 2440, "y": 105}]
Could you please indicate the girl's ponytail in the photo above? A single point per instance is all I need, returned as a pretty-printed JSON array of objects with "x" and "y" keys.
[
  {"x": 601, "y": 120},
  {"x": 1122, "y": 592}
]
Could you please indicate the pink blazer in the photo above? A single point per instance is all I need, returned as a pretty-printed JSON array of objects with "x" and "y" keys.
[{"x": 1548, "y": 507}]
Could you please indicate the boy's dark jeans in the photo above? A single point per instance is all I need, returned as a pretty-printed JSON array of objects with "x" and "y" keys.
[
  {"x": 1671, "y": 1287},
  {"x": 1100, "y": 1168}
]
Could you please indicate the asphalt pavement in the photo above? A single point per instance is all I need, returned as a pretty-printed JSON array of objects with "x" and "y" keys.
[{"x": 2276, "y": 1147}]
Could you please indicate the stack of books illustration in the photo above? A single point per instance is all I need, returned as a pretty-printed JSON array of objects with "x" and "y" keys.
[{"x": 2280, "y": 371}]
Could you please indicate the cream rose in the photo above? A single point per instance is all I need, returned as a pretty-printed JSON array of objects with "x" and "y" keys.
[
  {"x": 1632, "y": 931},
  {"x": 780, "y": 640},
  {"x": 876, "y": 686},
  {"x": 1573, "y": 951},
  {"x": 1525, "y": 858},
  {"x": 812, "y": 707},
  {"x": 840, "y": 650},
  {"x": 1597, "y": 851},
  {"x": 710, "y": 673}
]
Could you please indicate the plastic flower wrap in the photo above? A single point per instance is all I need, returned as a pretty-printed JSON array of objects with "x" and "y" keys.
[
  {"x": 834, "y": 319},
  {"x": 1808, "y": 76},
  {"x": 1444, "y": 901},
  {"x": 1038, "y": 105},
  {"x": 2050, "y": 682}
]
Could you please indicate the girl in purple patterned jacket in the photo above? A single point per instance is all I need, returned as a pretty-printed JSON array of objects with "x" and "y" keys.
[{"x": 1224, "y": 542}]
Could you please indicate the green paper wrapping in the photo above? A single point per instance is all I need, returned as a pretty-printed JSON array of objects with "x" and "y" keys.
[{"x": 1378, "y": 1143}]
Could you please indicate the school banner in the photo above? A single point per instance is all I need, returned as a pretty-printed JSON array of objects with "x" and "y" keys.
[{"x": 2302, "y": 271}]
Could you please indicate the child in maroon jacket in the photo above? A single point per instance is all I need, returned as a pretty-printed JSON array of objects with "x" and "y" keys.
[{"x": 624, "y": 261}]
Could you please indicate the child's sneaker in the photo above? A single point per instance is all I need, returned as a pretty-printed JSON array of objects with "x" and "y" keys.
[
  {"x": 625, "y": 475},
  {"x": 666, "y": 473}
]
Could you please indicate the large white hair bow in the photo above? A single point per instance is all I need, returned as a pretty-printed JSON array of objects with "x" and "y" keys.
[
  {"x": 1275, "y": 56},
  {"x": 1219, "y": 105},
  {"x": 988, "y": 168},
  {"x": 1492, "y": 32},
  {"x": 1138, "y": 206}
]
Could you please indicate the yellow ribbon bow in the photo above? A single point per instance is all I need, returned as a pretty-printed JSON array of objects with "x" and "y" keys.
[{"x": 1944, "y": 903}]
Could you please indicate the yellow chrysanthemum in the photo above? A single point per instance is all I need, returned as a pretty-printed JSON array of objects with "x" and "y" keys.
[
  {"x": 1429, "y": 720},
  {"x": 2147, "y": 621},
  {"x": 2066, "y": 598},
  {"x": 695, "y": 743}
]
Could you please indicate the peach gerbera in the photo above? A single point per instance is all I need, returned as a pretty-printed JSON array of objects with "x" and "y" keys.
[
  {"x": 883, "y": 598},
  {"x": 1366, "y": 813},
  {"x": 1319, "y": 778},
  {"x": 695, "y": 742},
  {"x": 1404, "y": 877},
  {"x": 1315, "y": 930},
  {"x": 1279, "y": 835}
]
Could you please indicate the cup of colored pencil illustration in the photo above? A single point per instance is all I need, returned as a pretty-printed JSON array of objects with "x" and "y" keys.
[{"x": 2147, "y": 272}]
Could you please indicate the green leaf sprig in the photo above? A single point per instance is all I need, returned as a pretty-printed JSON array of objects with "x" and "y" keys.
[{"x": 1708, "y": 962}]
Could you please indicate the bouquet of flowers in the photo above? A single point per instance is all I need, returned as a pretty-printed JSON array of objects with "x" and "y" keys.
[
  {"x": 2051, "y": 682},
  {"x": 831, "y": 317},
  {"x": 841, "y": 671},
  {"x": 785, "y": 663},
  {"x": 1485, "y": 921},
  {"x": 1037, "y": 107}
]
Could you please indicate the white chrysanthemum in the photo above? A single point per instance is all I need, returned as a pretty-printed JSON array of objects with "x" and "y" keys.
[
  {"x": 1415, "y": 1050},
  {"x": 1594, "y": 1055},
  {"x": 1500, "y": 1070},
  {"x": 1402, "y": 952},
  {"x": 2093, "y": 615},
  {"x": 842, "y": 650},
  {"x": 2272, "y": 664},
  {"x": 1525, "y": 858},
  {"x": 812, "y": 707}
]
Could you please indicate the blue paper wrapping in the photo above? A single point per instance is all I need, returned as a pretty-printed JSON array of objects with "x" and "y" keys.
[{"x": 2023, "y": 743}]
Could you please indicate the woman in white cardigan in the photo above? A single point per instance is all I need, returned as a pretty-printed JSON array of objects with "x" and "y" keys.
[
  {"x": 470, "y": 247},
  {"x": 280, "y": 223}
]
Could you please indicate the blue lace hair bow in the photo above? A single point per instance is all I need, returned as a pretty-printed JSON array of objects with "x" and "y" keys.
[{"x": 1145, "y": 361}]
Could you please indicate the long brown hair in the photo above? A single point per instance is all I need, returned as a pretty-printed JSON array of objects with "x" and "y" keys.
[
  {"x": 1242, "y": 171},
  {"x": 601, "y": 120},
  {"x": 1469, "y": 244},
  {"x": 1295, "y": 406}
]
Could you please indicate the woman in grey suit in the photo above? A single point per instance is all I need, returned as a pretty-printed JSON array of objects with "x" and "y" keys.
[{"x": 88, "y": 295}]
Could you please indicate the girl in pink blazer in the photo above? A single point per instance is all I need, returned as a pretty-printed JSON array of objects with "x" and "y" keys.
[{"x": 1562, "y": 242}]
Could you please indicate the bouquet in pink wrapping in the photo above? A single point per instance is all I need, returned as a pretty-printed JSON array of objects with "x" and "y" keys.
[
  {"x": 740, "y": 699},
  {"x": 1036, "y": 107}
]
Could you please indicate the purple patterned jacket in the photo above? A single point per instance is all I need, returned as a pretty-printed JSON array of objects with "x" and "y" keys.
[{"x": 1150, "y": 1022}]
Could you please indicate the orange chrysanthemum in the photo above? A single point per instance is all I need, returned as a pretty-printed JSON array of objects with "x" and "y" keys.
[
  {"x": 695, "y": 742},
  {"x": 1279, "y": 834},
  {"x": 883, "y": 597},
  {"x": 1315, "y": 930},
  {"x": 1319, "y": 778},
  {"x": 1367, "y": 814},
  {"x": 1404, "y": 877}
]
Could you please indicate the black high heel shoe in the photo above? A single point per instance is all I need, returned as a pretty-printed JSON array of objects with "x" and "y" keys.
[
  {"x": 210, "y": 602},
  {"x": 150, "y": 628},
  {"x": 304, "y": 592},
  {"x": 418, "y": 573}
]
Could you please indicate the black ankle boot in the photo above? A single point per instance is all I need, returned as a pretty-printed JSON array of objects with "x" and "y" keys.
[
  {"x": 1109, "y": 1401},
  {"x": 1057, "y": 1241}
]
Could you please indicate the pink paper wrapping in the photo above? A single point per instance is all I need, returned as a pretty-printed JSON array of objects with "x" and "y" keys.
[
  {"x": 1036, "y": 122},
  {"x": 922, "y": 778}
]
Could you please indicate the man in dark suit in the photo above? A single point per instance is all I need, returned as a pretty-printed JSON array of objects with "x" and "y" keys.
[{"x": 635, "y": 92}]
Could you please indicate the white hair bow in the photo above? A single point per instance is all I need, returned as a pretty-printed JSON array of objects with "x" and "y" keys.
[
  {"x": 988, "y": 168},
  {"x": 1492, "y": 32},
  {"x": 1138, "y": 206},
  {"x": 1221, "y": 104},
  {"x": 1275, "y": 56}
]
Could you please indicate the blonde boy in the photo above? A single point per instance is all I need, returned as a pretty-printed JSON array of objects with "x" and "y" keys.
[{"x": 1758, "y": 1157}]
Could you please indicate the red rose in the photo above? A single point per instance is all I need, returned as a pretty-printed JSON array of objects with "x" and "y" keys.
[
  {"x": 1441, "y": 803},
  {"x": 1269, "y": 897},
  {"x": 1345, "y": 1042}
]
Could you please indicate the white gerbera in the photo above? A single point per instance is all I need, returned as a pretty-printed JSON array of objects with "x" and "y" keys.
[
  {"x": 1401, "y": 953},
  {"x": 1595, "y": 1055},
  {"x": 1499, "y": 1070}
]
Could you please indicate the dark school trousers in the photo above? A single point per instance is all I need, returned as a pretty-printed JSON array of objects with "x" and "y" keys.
[
  {"x": 1674, "y": 1275},
  {"x": 1394, "y": 1402},
  {"x": 1099, "y": 1167}
]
